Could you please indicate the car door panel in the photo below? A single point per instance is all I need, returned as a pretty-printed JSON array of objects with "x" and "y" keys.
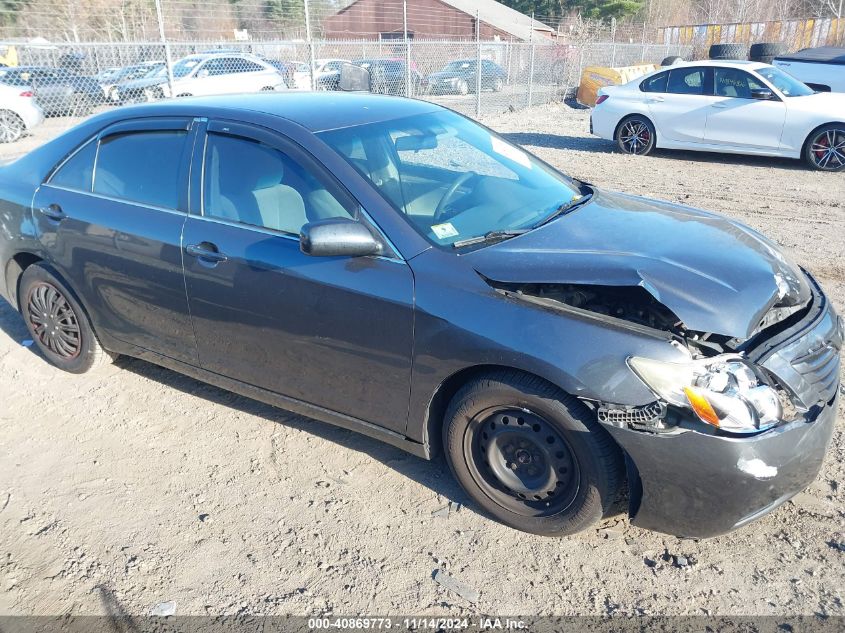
[
  {"x": 735, "y": 119},
  {"x": 328, "y": 331},
  {"x": 124, "y": 259},
  {"x": 680, "y": 117}
]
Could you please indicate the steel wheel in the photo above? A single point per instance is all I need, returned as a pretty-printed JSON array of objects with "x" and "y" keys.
[
  {"x": 635, "y": 137},
  {"x": 11, "y": 127},
  {"x": 54, "y": 321},
  {"x": 827, "y": 149},
  {"x": 522, "y": 462}
]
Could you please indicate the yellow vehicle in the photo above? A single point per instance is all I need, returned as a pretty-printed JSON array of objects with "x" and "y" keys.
[
  {"x": 595, "y": 77},
  {"x": 8, "y": 55}
]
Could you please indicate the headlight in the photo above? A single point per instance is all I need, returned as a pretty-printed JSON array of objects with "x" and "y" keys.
[{"x": 723, "y": 391}]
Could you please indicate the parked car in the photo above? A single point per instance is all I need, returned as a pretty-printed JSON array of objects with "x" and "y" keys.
[
  {"x": 736, "y": 107},
  {"x": 387, "y": 76},
  {"x": 461, "y": 77},
  {"x": 295, "y": 73},
  {"x": 19, "y": 113},
  {"x": 58, "y": 91},
  {"x": 221, "y": 73},
  {"x": 147, "y": 87},
  {"x": 823, "y": 68},
  {"x": 110, "y": 83},
  {"x": 328, "y": 66},
  {"x": 392, "y": 267}
]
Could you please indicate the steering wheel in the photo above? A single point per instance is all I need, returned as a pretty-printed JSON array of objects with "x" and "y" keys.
[{"x": 439, "y": 211}]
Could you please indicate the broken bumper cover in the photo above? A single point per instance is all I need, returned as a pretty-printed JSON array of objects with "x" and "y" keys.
[{"x": 697, "y": 485}]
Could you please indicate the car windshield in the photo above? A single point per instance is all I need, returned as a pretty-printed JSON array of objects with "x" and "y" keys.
[
  {"x": 183, "y": 67},
  {"x": 452, "y": 179},
  {"x": 786, "y": 83}
]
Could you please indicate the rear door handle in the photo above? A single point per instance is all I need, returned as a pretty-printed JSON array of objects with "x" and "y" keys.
[
  {"x": 53, "y": 212},
  {"x": 206, "y": 251}
]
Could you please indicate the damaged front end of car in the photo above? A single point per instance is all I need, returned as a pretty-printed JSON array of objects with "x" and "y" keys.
[{"x": 739, "y": 425}]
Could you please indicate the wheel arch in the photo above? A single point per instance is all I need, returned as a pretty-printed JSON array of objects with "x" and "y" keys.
[
  {"x": 15, "y": 267},
  {"x": 432, "y": 423},
  {"x": 809, "y": 134}
]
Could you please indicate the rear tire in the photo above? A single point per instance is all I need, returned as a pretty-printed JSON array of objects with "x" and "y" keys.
[
  {"x": 11, "y": 126},
  {"x": 825, "y": 148},
  {"x": 635, "y": 135},
  {"x": 728, "y": 51},
  {"x": 531, "y": 455},
  {"x": 765, "y": 52},
  {"x": 57, "y": 323}
]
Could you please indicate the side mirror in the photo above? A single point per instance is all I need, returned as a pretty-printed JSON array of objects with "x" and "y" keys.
[
  {"x": 354, "y": 78},
  {"x": 338, "y": 237},
  {"x": 763, "y": 94}
]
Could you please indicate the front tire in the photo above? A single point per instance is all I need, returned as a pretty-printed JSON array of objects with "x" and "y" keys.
[
  {"x": 635, "y": 135},
  {"x": 57, "y": 323},
  {"x": 825, "y": 148},
  {"x": 531, "y": 455}
]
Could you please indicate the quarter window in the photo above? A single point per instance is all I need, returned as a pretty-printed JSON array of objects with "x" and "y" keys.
[
  {"x": 686, "y": 81},
  {"x": 77, "y": 171},
  {"x": 253, "y": 183},
  {"x": 656, "y": 83},
  {"x": 141, "y": 167}
]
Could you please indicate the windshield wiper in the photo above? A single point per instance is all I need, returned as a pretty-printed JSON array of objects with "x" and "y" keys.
[
  {"x": 490, "y": 236},
  {"x": 564, "y": 208}
]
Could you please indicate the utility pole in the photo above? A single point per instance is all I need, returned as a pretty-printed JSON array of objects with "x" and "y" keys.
[
  {"x": 311, "y": 56},
  {"x": 407, "y": 48},
  {"x": 477, "y": 64},
  {"x": 168, "y": 62}
]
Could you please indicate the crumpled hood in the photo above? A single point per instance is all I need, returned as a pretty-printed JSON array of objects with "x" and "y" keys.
[{"x": 716, "y": 275}]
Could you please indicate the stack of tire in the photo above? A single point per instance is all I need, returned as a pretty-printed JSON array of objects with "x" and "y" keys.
[{"x": 764, "y": 52}]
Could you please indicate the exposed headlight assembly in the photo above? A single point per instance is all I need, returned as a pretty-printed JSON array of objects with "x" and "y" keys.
[{"x": 723, "y": 391}]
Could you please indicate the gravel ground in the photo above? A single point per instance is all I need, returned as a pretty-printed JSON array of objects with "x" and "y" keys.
[{"x": 136, "y": 485}]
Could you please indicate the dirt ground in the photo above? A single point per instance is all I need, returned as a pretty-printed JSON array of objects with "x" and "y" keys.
[{"x": 137, "y": 486}]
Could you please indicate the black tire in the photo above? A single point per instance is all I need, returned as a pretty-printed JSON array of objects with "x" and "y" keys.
[
  {"x": 671, "y": 60},
  {"x": 565, "y": 468},
  {"x": 824, "y": 149},
  {"x": 766, "y": 51},
  {"x": 635, "y": 135},
  {"x": 11, "y": 126},
  {"x": 57, "y": 323},
  {"x": 728, "y": 51}
]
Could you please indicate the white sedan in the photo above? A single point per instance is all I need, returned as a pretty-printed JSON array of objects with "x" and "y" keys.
[
  {"x": 724, "y": 106},
  {"x": 19, "y": 112}
]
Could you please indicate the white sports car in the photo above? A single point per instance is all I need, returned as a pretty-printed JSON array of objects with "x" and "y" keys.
[{"x": 724, "y": 106}]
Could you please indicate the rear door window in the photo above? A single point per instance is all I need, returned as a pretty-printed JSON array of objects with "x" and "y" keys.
[
  {"x": 141, "y": 167},
  {"x": 686, "y": 81}
]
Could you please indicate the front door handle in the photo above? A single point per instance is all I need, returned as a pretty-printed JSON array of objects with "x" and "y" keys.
[
  {"x": 207, "y": 251},
  {"x": 655, "y": 100},
  {"x": 53, "y": 212},
  {"x": 718, "y": 105}
]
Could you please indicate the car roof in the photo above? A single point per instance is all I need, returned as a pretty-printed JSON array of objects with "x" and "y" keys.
[{"x": 316, "y": 111}]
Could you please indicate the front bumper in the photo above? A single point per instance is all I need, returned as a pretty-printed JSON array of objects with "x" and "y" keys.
[{"x": 697, "y": 485}]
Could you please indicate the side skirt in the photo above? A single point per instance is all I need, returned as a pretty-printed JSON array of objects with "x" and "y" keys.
[{"x": 283, "y": 402}]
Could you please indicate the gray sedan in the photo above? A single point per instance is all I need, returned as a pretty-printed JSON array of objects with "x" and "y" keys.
[{"x": 389, "y": 266}]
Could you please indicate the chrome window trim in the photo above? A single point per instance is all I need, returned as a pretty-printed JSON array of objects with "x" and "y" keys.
[{"x": 102, "y": 196}]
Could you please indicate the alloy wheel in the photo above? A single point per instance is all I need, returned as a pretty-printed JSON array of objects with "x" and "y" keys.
[
  {"x": 635, "y": 136},
  {"x": 522, "y": 462},
  {"x": 827, "y": 149},
  {"x": 54, "y": 321},
  {"x": 11, "y": 127}
]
